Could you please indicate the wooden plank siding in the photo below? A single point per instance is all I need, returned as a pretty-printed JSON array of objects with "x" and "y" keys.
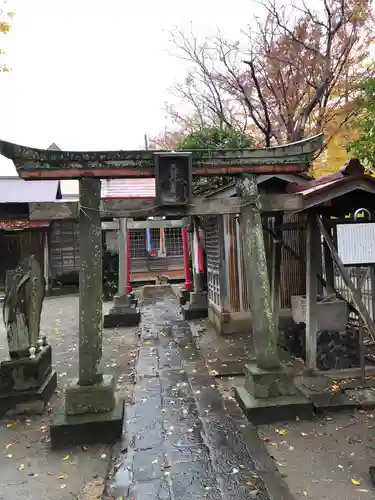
[
  {"x": 293, "y": 272},
  {"x": 64, "y": 248},
  {"x": 233, "y": 299}
]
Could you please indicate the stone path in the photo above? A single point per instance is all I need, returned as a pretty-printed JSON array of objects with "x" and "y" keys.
[{"x": 181, "y": 441}]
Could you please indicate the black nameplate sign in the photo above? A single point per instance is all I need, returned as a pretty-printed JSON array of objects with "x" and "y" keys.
[{"x": 173, "y": 178}]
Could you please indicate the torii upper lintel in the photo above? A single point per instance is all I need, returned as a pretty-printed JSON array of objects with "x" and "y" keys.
[{"x": 34, "y": 164}]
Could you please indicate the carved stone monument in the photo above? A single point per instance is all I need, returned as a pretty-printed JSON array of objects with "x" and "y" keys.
[{"x": 28, "y": 374}]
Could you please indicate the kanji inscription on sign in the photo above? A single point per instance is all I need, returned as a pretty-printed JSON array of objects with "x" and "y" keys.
[{"x": 173, "y": 178}]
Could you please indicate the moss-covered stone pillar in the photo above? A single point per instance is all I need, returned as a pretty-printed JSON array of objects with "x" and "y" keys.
[
  {"x": 90, "y": 282},
  {"x": 258, "y": 287},
  {"x": 91, "y": 413},
  {"x": 269, "y": 392}
]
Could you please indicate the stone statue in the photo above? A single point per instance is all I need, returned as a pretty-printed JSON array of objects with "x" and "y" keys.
[{"x": 22, "y": 308}]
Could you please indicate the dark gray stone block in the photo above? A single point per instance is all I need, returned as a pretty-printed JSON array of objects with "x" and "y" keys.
[
  {"x": 197, "y": 307},
  {"x": 89, "y": 428},
  {"x": 129, "y": 317},
  {"x": 9, "y": 400},
  {"x": 25, "y": 374},
  {"x": 184, "y": 297}
]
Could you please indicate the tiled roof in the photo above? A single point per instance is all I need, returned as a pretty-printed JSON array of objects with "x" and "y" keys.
[{"x": 352, "y": 172}]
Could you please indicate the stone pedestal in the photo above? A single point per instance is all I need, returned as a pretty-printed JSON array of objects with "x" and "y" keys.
[
  {"x": 91, "y": 415},
  {"x": 270, "y": 395},
  {"x": 197, "y": 307},
  {"x": 184, "y": 297},
  {"x": 25, "y": 380},
  {"x": 123, "y": 313}
]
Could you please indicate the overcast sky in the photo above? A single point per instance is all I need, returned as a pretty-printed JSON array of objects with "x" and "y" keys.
[{"x": 94, "y": 74}]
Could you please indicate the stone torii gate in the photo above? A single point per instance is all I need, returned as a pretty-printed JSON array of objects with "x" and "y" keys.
[
  {"x": 125, "y": 311},
  {"x": 91, "y": 412}
]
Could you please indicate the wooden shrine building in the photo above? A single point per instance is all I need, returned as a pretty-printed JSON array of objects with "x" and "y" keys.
[{"x": 229, "y": 307}]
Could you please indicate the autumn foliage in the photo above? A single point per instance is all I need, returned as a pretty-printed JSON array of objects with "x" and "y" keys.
[
  {"x": 5, "y": 20},
  {"x": 293, "y": 73}
]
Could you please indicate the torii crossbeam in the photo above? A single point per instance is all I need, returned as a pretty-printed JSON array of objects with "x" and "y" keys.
[{"x": 32, "y": 163}]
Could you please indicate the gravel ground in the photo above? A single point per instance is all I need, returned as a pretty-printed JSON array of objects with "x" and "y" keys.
[
  {"x": 29, "y": 470},
  {"x": 323, "y": 459}
]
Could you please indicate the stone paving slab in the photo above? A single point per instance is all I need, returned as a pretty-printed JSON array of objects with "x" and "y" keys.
[{"x": 183, "y": 442}]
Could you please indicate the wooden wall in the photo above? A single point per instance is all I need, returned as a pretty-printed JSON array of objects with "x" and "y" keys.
[{"x": 293, "y": 278}]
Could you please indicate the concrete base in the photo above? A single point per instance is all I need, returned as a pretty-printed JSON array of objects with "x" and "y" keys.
[
  {"x": 89, "y": 428},
  {"x": 123, "y": 313},
  {"x": 271, "y": 395},
  {"x": 81, "y": 399},
  {"x": 226, "y": 323},
  {"x": 269, "y": 383},
  {"x": 197, "y": 307},
  {"x": 10, "y": 400},
  {"x": 274, "y": 409},
  {"x": 229, "y": 323}
]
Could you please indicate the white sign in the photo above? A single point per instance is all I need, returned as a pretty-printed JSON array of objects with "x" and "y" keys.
[{"x": 356, "y": 243}]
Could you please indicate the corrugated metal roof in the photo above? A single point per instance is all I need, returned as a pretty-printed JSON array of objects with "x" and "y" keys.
[
  {"x": 17, "y": 190},
  {"x": 128, "y": 188},
  {"x": 114, "y": 188},
  {"x": 14, "y": 225}
]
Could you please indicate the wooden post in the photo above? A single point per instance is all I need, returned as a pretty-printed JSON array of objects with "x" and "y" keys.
[
  {"x": 276, "y": 270},
  {"x": 313, "y": 249},
  {"x": 328, "y": 262},
  {"x": 372, "y": 281},
  {"x": 197, "y": 258},
  {"x": 128, "y": 287},
  {"x": 239, "y": 262},
  {"x": 46, "y": 262},
  {"x": 90, "y": 282},
  {"x": 185, "y": 245},
  {"x": 122, "y": 258},
  {"x": 264, "y": 330}
]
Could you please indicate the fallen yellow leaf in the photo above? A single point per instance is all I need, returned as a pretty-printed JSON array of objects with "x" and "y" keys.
[{"x": 281, "y": 432}]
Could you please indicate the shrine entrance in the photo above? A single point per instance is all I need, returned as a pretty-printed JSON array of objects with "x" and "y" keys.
[{"x": 91, "y": 410}]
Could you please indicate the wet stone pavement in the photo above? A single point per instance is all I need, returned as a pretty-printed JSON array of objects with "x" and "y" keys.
[{"x": 181, "y": 439}]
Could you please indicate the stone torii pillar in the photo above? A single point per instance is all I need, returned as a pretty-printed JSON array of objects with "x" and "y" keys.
[
  {"x": 91, "y": 411},
  {"x": 269, "y": 393},
  {"x": 124, "y": 311}
]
